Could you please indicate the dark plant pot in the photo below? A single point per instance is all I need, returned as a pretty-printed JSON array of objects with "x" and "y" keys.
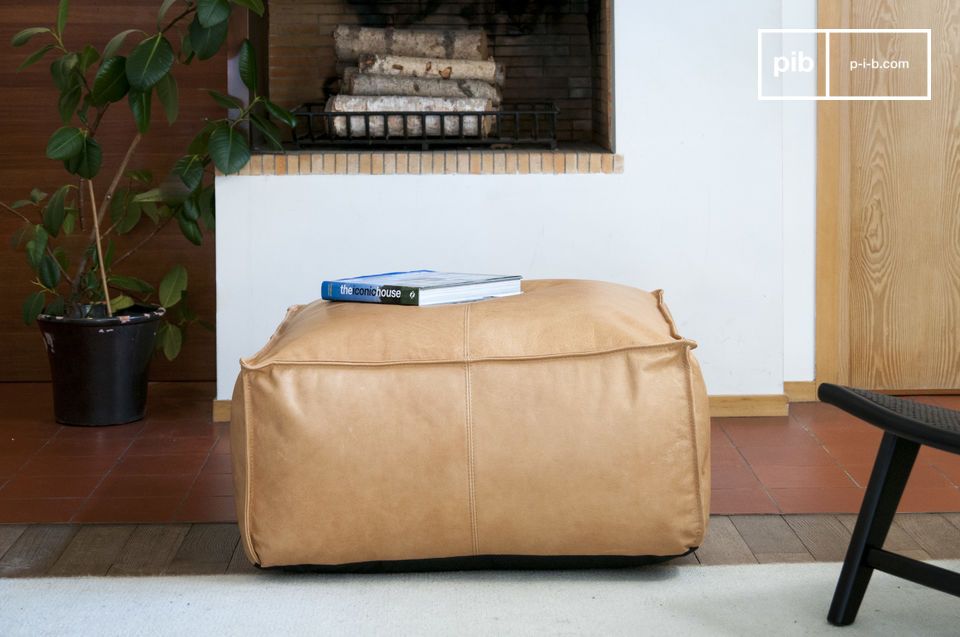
[{"x": 99, "y": 365}]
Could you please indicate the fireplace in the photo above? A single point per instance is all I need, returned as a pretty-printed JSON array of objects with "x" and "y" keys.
[{"x": 558, "y": 56}]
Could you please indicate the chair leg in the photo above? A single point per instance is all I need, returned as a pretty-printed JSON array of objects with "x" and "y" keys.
[{"x": 890, "y": 473}]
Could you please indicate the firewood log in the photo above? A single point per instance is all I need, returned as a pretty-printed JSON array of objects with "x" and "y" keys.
[
  {"x": 483, "y": 70},
  {"x": 393, "y": 124},
  {"x": 355, "y": 83},
  {"x": 352, "y": 41}
]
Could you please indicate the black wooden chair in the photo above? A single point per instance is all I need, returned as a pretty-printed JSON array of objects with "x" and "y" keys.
[{"x": 907, "y": 424}]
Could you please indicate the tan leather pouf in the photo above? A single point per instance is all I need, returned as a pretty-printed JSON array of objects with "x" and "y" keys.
[{"x": 570, "y": 421}]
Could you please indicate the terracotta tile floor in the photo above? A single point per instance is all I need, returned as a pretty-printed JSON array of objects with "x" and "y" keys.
[{"x": 174, "y": 466}]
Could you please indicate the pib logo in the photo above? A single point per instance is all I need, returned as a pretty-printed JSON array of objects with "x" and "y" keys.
[{"x": 795, "y": 62}]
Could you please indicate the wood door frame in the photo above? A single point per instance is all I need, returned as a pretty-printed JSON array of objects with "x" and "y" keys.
[{"x": 831, "y": 344}]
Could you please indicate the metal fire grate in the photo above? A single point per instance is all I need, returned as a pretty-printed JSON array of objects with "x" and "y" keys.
[{"x": 527, "y": 124}]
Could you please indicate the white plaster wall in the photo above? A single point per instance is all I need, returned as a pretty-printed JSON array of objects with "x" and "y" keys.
[{"x": 699, "y": 210}]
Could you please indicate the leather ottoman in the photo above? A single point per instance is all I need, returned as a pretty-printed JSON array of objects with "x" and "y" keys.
[{"x": 566, "y": 426}]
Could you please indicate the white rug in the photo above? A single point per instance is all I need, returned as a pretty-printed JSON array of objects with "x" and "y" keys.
[{"x": 778, "y": 599}]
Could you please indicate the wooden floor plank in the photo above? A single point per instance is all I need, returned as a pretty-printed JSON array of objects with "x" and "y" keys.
[
  {"x": 898, "y": 540},
  {"x": 9, "y": 534},
  {"x": 934, "y": 533},
  {"x": 150, "y": 549},
  {"x": 206, "y": 550},
  {"x": 239, "y": 564},
  {"x": 771, "y": 539},
  {"x": 93, "y": 550},
  {"x": 724, "y": 545},
  {"x": 824, "y": 536},
  {"x": 952, "y": 518},
  {"x": 37, "y": 548}
]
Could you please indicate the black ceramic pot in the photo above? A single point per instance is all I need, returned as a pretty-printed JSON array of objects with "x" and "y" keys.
[{"x": 99, "y": 365}]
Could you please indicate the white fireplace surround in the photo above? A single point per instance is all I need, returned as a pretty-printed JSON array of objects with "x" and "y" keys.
[{"x": 716, "y": 205}]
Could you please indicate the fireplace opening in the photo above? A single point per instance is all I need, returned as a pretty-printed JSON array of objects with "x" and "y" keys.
[{"x": 556, "y": 57}]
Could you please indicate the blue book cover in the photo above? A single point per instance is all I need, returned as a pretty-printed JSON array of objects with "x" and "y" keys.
[{"x": 419, "y": 287}]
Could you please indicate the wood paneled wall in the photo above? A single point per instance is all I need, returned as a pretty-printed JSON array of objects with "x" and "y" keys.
[{"x": 27, "y": 117}]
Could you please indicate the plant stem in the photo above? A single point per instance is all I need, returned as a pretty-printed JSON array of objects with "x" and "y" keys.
[
  {"x": 96, "y": 232},
  {"x": 15, "y": 212},
  {"x": 184, "y": 14},
  {"x": 98, "y": 216},
  {"x": 140, "y": 244}
]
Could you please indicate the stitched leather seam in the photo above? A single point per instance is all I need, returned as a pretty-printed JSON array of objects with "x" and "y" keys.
[
  {"x": 468, "y": 424},
  {"x": 693, "y": 443},
  {"x": 684, "y": 344},
  {"x": 248, "y": 533}
]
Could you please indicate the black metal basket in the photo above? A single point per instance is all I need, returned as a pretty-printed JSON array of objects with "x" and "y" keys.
[{"x": 526, "y": 124}]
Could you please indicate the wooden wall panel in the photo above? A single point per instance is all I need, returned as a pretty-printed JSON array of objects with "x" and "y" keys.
[
  {"x": 889, "y": 212},
  {"x": 28, "y": 116}
]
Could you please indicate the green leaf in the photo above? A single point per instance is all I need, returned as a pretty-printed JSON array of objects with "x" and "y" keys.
[
  {"x": 88, "y": 57},
  {"x": 20, "y": 203},
  {"x": 110, "y": 83},
  {"x": 62, "y": 69},
  {"x": 153, "y": 213},
  {"x": 55, "y": 212},
  {"x": 172, "y": 341},
  {"x": 199, "y": 144},
  {"x": 190, "y": 229},
  {"x": 121, "y": 302},
  {"x": 26, "y": 35},
  {"x": 56, "y": 307},
  {"x": 212, "y": 12},
  {"x": 34, "y": 57},
  {"x": 172, "y": 286},
  {"x": 37, "y": 195},
  {"x": 191, "y": 210},
  {"x": 226, "y": 101},
  {"x": 169, "y": 97},
  {"x": 70, "y": 221},
  {"x": 69, "y": 101},
  {"x": 49, "y": 272},
  {"x": 208, "y": 208},
  {"x": 281, "y": 113},
  {"x": 254, "y": 5},
  {"x": 140, "y": 103},
  {"x": 37, "y": 247},
  {"x": 116, "y": 42},
  {"x": 130, "y": 219},
  {"x": 207, "y": 41},
  {"x": 228, "y": 148},
  {"x": 65, "y": 143},
  {"x": 154, "y": 195},
  {"x": 130, "y": 283},
  {"x": 149, "y": 62},
  {"x": 61, "y": 256},
  {"x": 190, "y": 171},
  {"x": 270, "y": 132},
  {"x": 62, "y": 16},
  {"x": 248, "y": 65},
  {"x": 142, "y": 176},
  {"x": 163, "y": 10},
  {"x": 87, "y": 163},
  {"x": 33, "y": 306}
]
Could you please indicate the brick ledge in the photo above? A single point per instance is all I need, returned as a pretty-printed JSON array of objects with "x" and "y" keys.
[{"x": 460, "y": 162}]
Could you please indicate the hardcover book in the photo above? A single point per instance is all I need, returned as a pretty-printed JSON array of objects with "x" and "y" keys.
[{"x": 420, "y": 287}]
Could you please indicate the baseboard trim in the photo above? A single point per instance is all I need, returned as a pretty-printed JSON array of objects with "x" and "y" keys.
[
  {"x": 800, "y": 391},
  {"x": 731, "y": 406},
  {"x": 221, "y": 411},
  {"x": 720, "y": 406}
]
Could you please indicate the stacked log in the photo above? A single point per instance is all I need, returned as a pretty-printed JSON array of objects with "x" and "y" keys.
[{"x": 414, "y": 71}]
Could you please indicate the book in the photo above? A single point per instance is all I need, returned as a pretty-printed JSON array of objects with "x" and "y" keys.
[{"x": 420, "y": 287}]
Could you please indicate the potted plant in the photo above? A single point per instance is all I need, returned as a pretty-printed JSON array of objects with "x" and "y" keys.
[{"x": 101, "y": 324}]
